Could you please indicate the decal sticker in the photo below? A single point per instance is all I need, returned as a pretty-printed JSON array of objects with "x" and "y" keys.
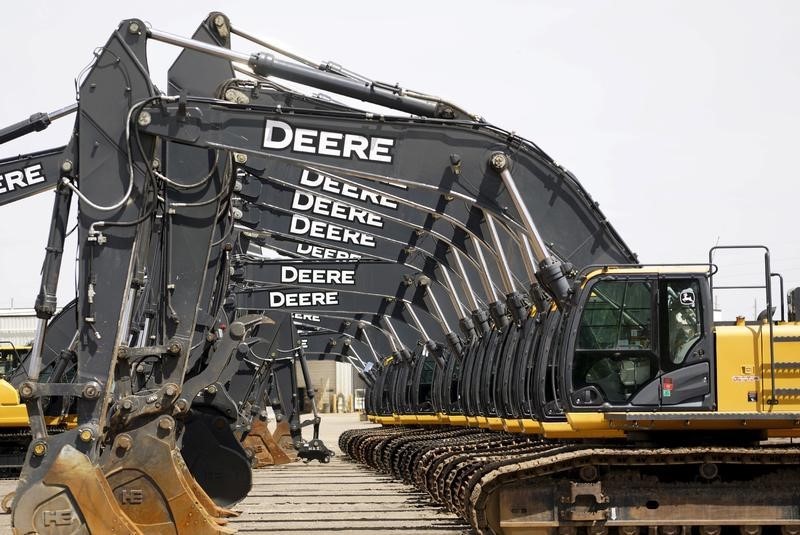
[
  {"x": 687, "y": 297},
  {"x": 292, "y": 274},
  {"x": 302, "y": 299},
  {"x": 280, "y": 135},
  {"x": 667, "y": 385},
  {"x": 300, "y": 225},
  {"x": 744, "y": 378},
  {"x": 21, "y": 178},
  {"x": 305, "y": 317},
  {"x": 343, "y": 189},
  {"x": 306, "y": 202},
  {"x": 315, "y": 251}
]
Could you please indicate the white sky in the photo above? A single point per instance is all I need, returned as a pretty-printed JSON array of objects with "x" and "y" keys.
[{"x": 680, "y": 118}]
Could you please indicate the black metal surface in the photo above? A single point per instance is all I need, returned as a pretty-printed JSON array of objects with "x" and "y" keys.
[{"x": 215, "y": 457}]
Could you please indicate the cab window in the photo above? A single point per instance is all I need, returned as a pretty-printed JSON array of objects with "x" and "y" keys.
[
  {"x": 618, "y": 316},
  {"x": 683, "y": 317},
  {"x": 614, "y": 350}
]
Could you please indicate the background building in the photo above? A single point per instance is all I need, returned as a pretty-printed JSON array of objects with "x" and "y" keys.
[
  {"x": 17, "y": 325},
  {"x": 334, "y": 384}
]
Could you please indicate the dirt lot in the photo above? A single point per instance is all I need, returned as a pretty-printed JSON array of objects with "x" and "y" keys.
[{"x": 340, "y": 497}]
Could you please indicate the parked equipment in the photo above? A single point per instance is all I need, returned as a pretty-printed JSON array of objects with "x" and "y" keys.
[{"x": 530, "y": 373}]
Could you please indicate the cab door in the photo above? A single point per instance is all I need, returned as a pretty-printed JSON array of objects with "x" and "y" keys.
[
  {"x": 641, "y": 342},
  {"x": 686, "y": 344}
]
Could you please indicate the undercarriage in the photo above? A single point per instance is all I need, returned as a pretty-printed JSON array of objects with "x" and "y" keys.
[{"x": 515, "y": 484}]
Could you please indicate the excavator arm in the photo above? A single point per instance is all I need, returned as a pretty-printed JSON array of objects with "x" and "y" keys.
[{"x": 444, "y": 200}]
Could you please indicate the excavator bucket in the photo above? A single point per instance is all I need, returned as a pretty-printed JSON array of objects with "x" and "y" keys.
[
  {"x": 227, "y": 479},
  {"x": 73, "y": 498},
  {"x": 203, "y": 497},
  {"x": 283, "y": 438},
  {"x": 133, "y": 501},
  {"x": 261, "y": 447},
  {"x": 150, "y": 483}
]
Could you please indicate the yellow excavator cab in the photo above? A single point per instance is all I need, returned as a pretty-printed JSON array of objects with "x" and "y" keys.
[{"x": 12, "y": 412}]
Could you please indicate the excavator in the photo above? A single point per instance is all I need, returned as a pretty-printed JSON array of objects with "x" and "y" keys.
[
  {"x": 13, "y": 418},
  {"x": 528, "y": 371},
  {"x": 33, "y": 173}
]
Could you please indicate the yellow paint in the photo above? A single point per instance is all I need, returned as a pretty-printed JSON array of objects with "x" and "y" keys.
[
  {"x": 12, "y": 412},
  {"x": 587, "y": 421},
  {"x": 428, "y": 419},
  {"x": 70, "y": 421},
  {"x": 644, "y": 270},
  {"x": 737, "y": 354},
  {"x": 744, "y": 368},
  {"x": 512, "y": 425},
  {"x": 788, "y": 376},
  {"x": 531, "y": 427},
  {"x": 13, "y": 416},
  {"x": 495, "y": 424},
  {"x": 565, "y": 430},
  {"x": 557, "y": 429},
  {"x": 458, "y": 420},
  {"x": 8, "y": 394}
]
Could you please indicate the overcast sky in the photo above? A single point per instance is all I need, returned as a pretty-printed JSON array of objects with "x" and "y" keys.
[{"x": 681, "y": 118}]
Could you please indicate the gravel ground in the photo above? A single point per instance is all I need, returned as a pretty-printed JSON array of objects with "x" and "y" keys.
[{"x": 340, "y": 497}]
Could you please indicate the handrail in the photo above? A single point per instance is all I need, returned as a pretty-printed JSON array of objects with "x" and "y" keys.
[{"x": 768, "y": 288}]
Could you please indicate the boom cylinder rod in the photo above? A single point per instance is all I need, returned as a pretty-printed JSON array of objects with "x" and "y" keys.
[
  {"x": 438, "y": 310},
  {"x": 369, "y": 345},
  {"x": 35, "y": 360},
  {"x": 502, "y": 260},
  {"x": 362, "y": 370},
  {"x": 355, "y": 360},
  {"x": 274, "y": 48},
  {"x": 453, "y": 294},
  {"x": 63, "y": 112},
  {"x": 45, "y": 305},
  {"x": 268, "y": 65},
  {"x": 199, "y": 46},
  {"x": 473, "y": 301},
  {"x": 491, "y": 293},
  {"x": 549, "y": 270},
  {"x": 125, "y": 320},
  {"x": 142, "y": 339},
  {"x": 418, "y": 324},
  {"x": 35, "y": 123},
  {"x": 394, "y": 339},
  {"x": 528, "y": 259},
  {"x": 540, "y": 252}
]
